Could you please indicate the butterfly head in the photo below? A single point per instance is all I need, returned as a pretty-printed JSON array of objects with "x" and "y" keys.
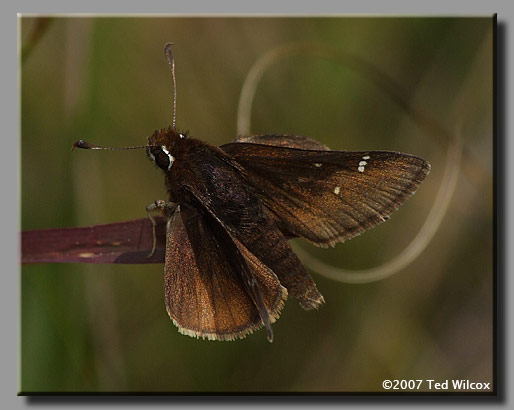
[{"x": 162, "y": 145}]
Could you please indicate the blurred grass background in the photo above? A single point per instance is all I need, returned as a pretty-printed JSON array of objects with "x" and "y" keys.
[{"x": 101, "y": 328}]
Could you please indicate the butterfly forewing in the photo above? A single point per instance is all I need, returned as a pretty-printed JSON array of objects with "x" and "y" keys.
[
  {"x": 329, "y": 196},
  {"x": 204, "y": 297},
  {"x": 205, "y": 286},
  {"x": 281, "y": 140}
]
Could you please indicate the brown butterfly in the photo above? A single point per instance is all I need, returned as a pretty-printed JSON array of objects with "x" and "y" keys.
[{"x": 228, "y": 266}]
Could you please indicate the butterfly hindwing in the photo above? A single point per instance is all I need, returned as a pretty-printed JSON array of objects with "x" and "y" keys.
[
  {"x": 239, "y": 211},
  {"x": 328, "y": 196}
]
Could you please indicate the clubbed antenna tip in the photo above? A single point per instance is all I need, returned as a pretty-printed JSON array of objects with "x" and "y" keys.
[{"x": 82, "y": 144}]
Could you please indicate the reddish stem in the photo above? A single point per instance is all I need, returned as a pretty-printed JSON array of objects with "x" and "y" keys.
[{"x": 123, "y": 242}]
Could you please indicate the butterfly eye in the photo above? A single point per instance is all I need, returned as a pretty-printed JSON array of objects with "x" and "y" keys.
[{"x": 161, "y": 156}]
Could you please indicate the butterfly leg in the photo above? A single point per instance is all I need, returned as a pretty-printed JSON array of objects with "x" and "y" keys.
[{"x": 163, "y": 208}]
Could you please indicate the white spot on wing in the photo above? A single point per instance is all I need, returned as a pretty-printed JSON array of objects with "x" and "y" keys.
[
  {"x": 337, "y": 190},
  {"x": 317, "y": 164},
  {"x": 363, "y": 163}
]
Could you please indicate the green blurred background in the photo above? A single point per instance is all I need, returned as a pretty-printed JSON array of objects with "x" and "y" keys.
[{"x": 100, "y": 328}]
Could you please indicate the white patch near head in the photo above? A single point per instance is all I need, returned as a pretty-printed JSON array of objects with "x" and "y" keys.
[
  {"x": 337, "y": 190},
  {"x": 365, "y": 157},
  {"x": 170, "y": 157},
  {"x": 317, "y": 164},
  {"x": 151, "y": 155},
  {"x": 182, "y": 135}
]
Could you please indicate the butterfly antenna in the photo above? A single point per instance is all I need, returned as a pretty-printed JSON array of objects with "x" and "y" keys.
[
  {"x": 86, "y": 145},
  {"x": 171, "y": 62}
]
